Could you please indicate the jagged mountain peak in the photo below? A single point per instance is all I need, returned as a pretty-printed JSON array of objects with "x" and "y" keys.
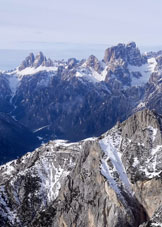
[
  {"x": 35, "y": 61},
  {"x": 131, "y": 44},
  {"x": 94, "y": 63},
  {"x": 129, "y": 53},
  {"x": 28, "y": 62},
  {"x": 123, "y": 65}
]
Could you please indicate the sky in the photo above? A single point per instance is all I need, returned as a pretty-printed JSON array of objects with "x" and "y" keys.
[
  {"x": 50, "y": 24},
  {"x": 35, "y": 22}
]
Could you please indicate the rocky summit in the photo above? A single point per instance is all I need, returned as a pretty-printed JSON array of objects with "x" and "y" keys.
[{"x": 111, "y": 180}]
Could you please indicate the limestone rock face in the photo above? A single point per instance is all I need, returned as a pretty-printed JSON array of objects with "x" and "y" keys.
[
  {"x": 128, "y": 53},
  {"x": 32, "y": 183},
  {"x": 28, "y": 62},
  {"x": 113, "y": 180},
  {"x": 124, "y": 63},
  {"x": 39, "y": 59},
  {"x": 93, "y": 62},
  {"x": 35, "y": 61},
  {"x": 72, "y": 63}
]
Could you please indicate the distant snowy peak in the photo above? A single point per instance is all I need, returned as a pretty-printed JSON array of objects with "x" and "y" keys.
[
  {"x": 127, "y": 66},
  {"x": 35, "y": 61},
  {"x": 123, "y": 66},
  {"x": 127, "y": 53},
  {"x": 34, "y": 64}
]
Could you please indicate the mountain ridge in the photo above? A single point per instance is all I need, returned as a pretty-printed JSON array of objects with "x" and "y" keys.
[{"x": 60, "y": 183}]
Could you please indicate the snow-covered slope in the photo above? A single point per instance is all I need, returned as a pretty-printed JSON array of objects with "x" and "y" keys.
[
  {"x": 143, "y": 71},
  {"x": 32, "y": 70}
]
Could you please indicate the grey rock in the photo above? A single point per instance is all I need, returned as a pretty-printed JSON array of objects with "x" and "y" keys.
[
  {"x": 93, "y": 62},
  {"x": 128, "y": 53},
  {"x": 28, "y": 62},
  {"x": 47, "y": 62},
  {"x": 35, "y": 61},
  {"x": 72, "y": 63},
  {"x": 39, "y": 59},
  {"x": 63, "y": 184},
  {"x": 85, "y": 198}
]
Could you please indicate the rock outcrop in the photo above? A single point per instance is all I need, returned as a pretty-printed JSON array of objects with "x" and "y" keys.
[
  {"x": 28, "y": 62},
  {"x": 94, "y": 63},
  {"x": 128, "y": 53},
  {"x": 35, "y": 61},
  {"x": 113, "y": 180}
]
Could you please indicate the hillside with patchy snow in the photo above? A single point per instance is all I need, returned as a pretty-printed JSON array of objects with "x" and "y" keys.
[{"x": 113, "y": 180}]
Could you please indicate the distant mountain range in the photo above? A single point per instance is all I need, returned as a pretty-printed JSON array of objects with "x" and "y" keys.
[
  {"x": 76, "y": 99},
  {"x": 11, "y": 58},
  {"x": 110, "y": 111}
]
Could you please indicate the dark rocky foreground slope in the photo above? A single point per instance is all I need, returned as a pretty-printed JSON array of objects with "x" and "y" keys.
[{"x": 112, "y": 181}]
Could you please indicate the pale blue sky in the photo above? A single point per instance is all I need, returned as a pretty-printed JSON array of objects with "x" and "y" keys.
[{"x": 28, "y": 24}]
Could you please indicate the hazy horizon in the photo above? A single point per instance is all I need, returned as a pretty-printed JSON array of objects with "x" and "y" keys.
[
  {"x": 11, "y": 58},
  {"x": 64, "y": 29},
  {"x": 24, "y": 23}
]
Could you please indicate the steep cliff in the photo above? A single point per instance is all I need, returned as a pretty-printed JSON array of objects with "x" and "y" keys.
[{"x": 113, "y": 180}]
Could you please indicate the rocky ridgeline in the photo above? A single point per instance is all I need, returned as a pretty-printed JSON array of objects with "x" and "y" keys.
[
  {"x": 113, "y": 180},
  {"x": 36, "y": 61}
]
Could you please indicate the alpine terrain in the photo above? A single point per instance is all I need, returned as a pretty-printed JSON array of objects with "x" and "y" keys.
[
  {"x": 113, "y": 180},
  {"x": 58, "y": 99},
  {"x": 81, "y": 141}
]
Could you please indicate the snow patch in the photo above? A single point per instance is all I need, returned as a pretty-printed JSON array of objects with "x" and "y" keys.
[
  {"x": 141, "y": 105},
  {"x": 136, "y": 162},
  {"x": 39, "y": 129},
  {"x": 156, "y": 224},
  {"x": 14, "y": 83},
  {"x": 32, "y": 70},
  {"x": 90, "y": 74},
  {"x": 8, "y": 168},
  {"x": 110, "y": 145},
  {"x": 50, "y": 179},
  {"x": 106, "y": 172},
  {"x": 146, "y": 70},
  {"x": 65, "y": 143},
  {"x": 154, "y": 132}
]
